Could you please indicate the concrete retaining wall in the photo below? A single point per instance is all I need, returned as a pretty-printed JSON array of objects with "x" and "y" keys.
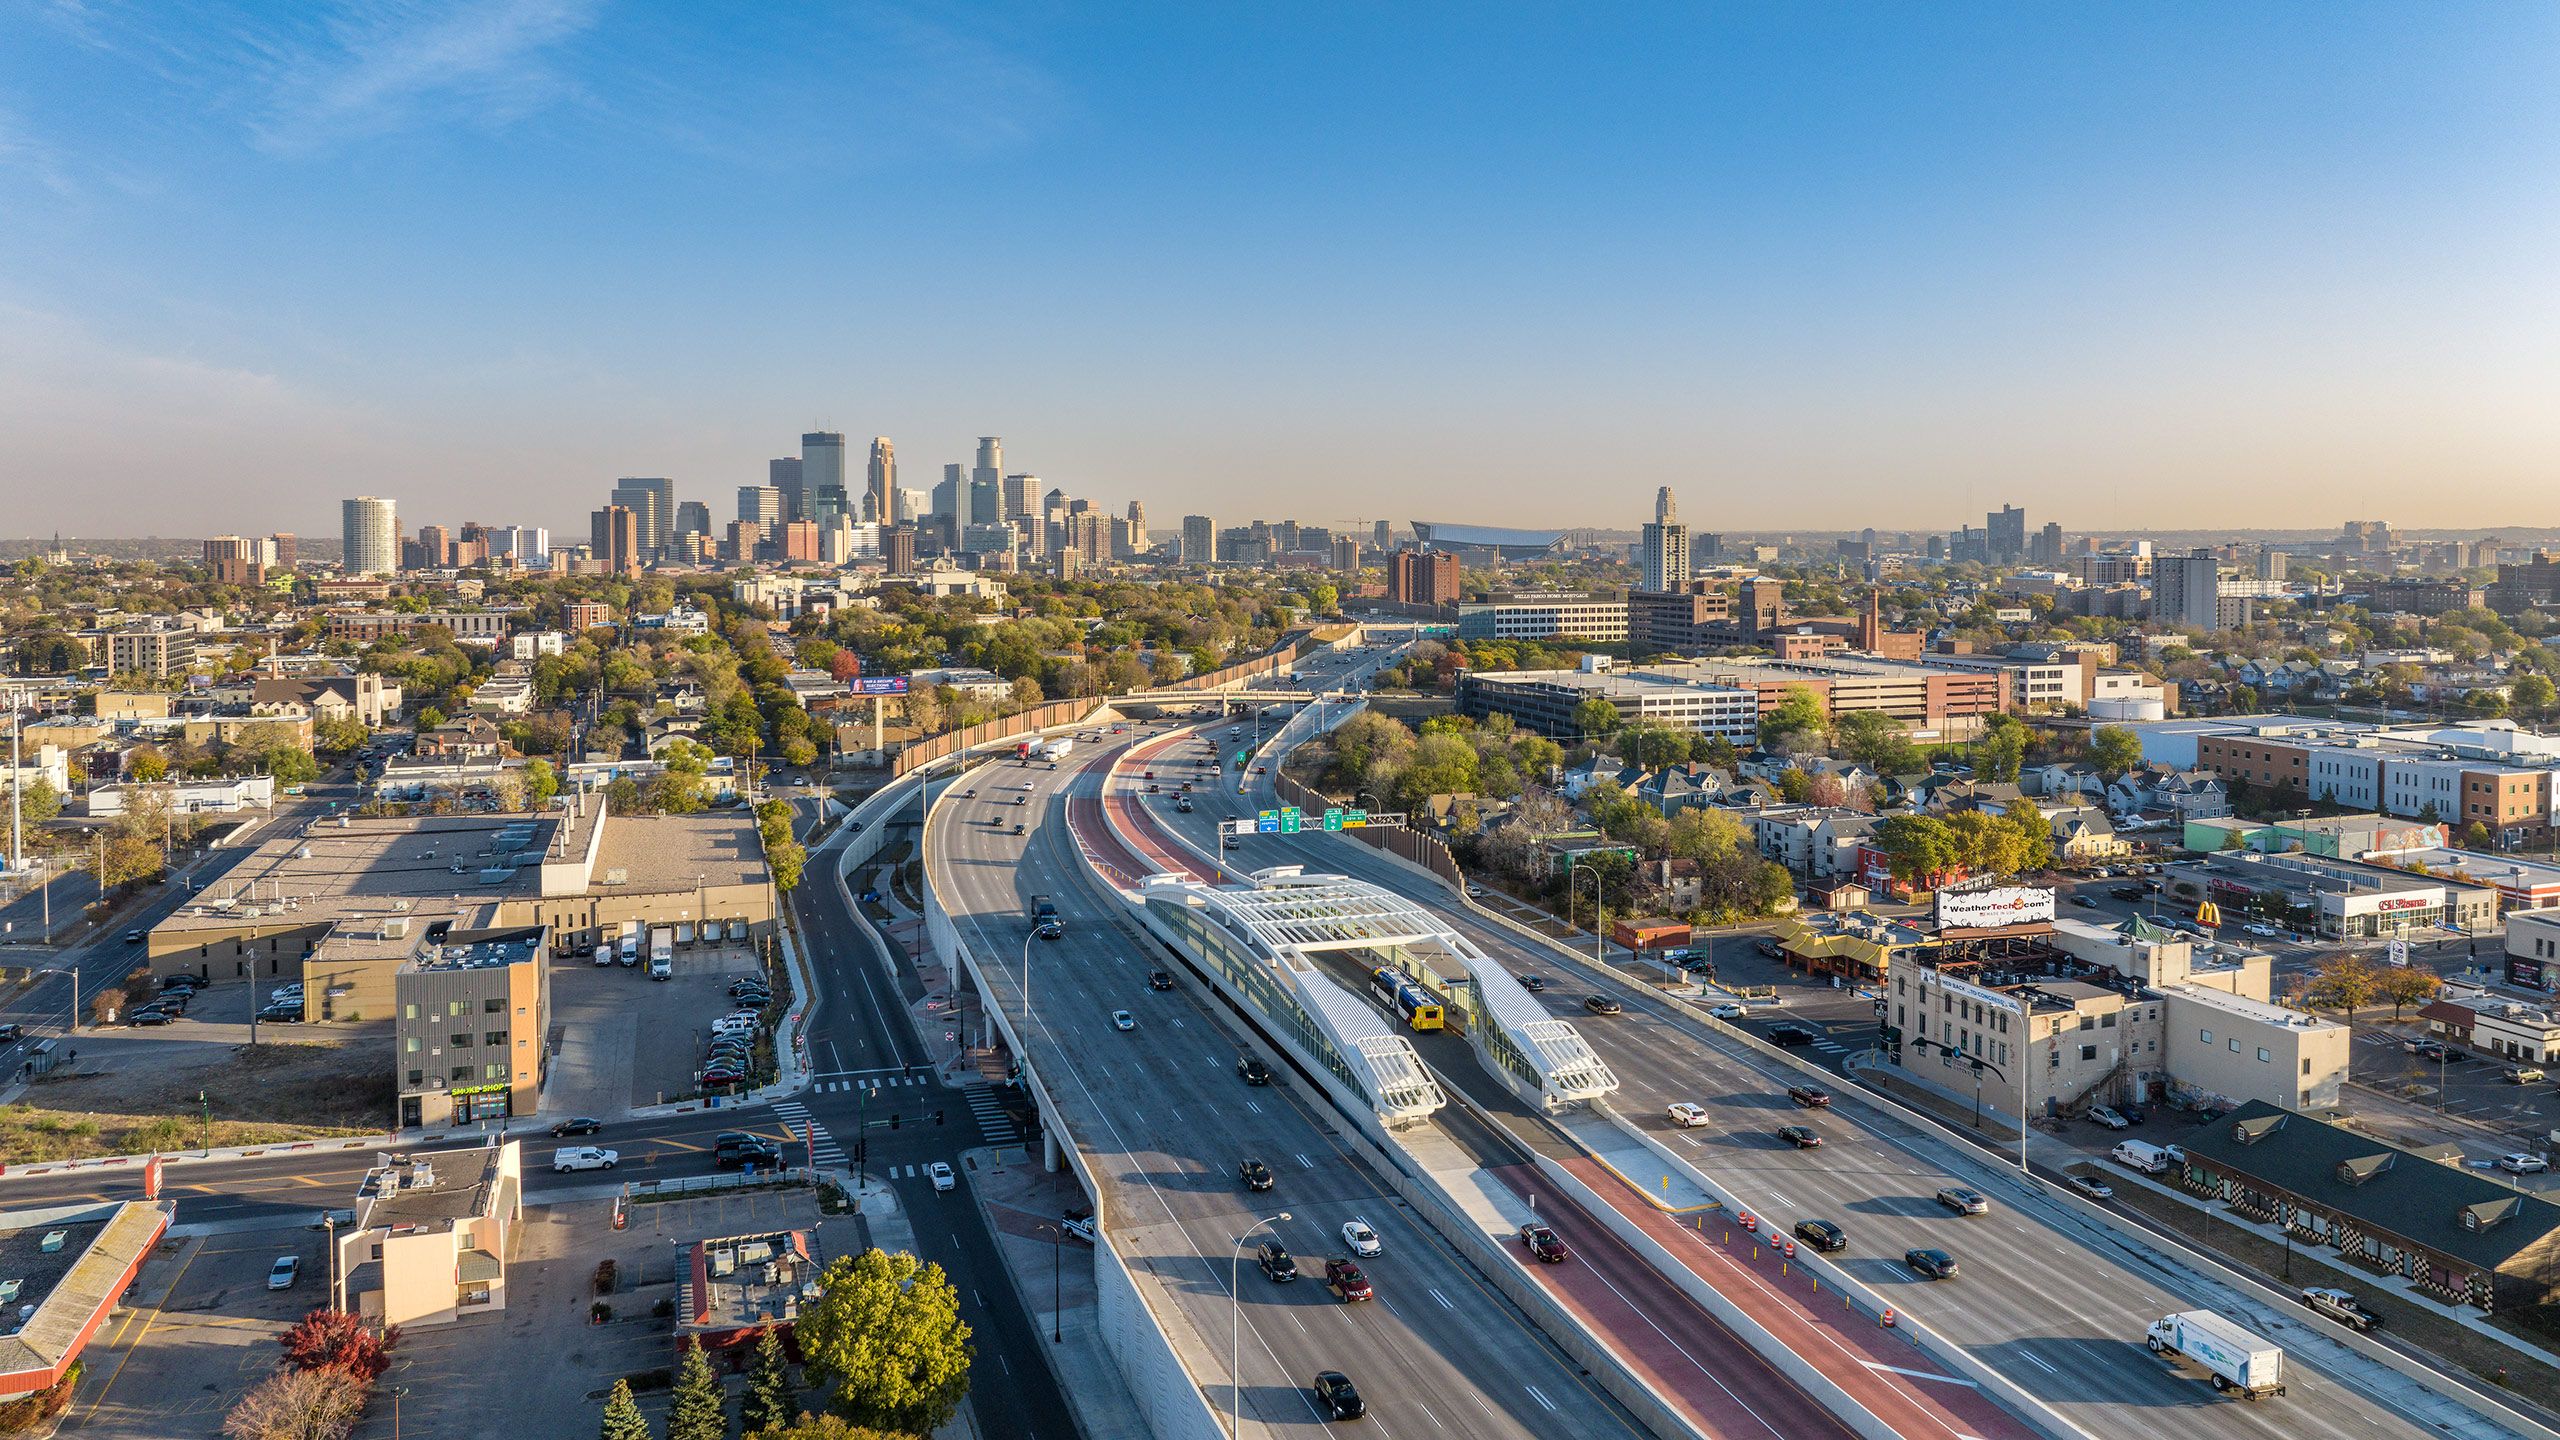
[{"x": 1167, "y": 1396}]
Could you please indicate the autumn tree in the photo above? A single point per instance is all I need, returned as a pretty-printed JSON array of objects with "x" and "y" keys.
[
  {"x": 2346, "y": 983},
  {"x": 2405, "y": 985},
  {"x": 328, "y": 1339},
  {"x": 297, "y": 1405},
  {"x": 1799, "y": 721},
  {"x": 886, "y": 1339}
]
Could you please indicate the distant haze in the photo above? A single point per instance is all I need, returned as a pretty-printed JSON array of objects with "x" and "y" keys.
[{"x": 1818, "y": 268}]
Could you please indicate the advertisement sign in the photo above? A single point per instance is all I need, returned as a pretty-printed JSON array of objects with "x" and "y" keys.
[
  {"x": 2403, "y": 902},
  {"x": 2526, "y": 973},
  {"x": 1994, "y": 906},
  {"x": 2399, "y": 952},
  {"x": 878, "y": 685}
]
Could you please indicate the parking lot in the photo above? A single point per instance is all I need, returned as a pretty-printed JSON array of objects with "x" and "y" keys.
[
  {"x": 197, "y": 1329},
  {"x": 627, "y": 1040}
]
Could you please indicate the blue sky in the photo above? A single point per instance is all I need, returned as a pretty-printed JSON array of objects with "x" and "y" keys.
[{"x": 1815, "y": 266}]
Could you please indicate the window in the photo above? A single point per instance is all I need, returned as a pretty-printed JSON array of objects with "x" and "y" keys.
[
  {"x": 461, "y": 1072},
  {"x": 495, "y": 1072},
  {"x": 2108, "y": 1020},
  {"x": 2088, "y": 1022},
  {"x": 2234, "y": 1043},
  {"x": 462, "y": 1040},
  {"x": 2088, "y": 1053},
  {"x": 493, "y": 1006},
  {"x": 494, "y": 1037},
  {"x": 2205, "y": 1036},
  {"x": 409, "y": 1045},
  {"x": 2306, "y": 1066},
  {"x": 2263, "y": 1056},
  {"x": 408, "y": 1012},
  {"x": 452, "y": 1007},
  {"x": 417, "y": 1078}
]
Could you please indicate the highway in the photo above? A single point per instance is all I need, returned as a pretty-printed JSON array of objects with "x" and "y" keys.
[
  {"x": 2057, "y": 1302},
  {"x": 1161, "y": 1116}
]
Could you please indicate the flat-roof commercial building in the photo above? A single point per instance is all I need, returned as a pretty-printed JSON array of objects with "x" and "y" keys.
[
  {"x": 472, "y": 1015},
  {"x": 2346, "y": 899},
  {"x": 1545, "y": 700},
  {"x": 2457, "y": 1236},
  {"x": 63, "y": 1270},
  {"x": 737, "y": 1287},
  {"x": 432, "y": 1235},
  {"x": 1544, "y": 615}
]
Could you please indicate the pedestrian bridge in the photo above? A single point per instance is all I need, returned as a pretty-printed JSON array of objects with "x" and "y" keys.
[{"x": 1263, "y": 942}]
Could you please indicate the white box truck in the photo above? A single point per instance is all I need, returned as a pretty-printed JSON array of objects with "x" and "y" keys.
[
  {"x": 2146, "y": 1157},
  {"x": 629, "y": 951},
  {"x": 1057, "y": 749},
  {"x": 2236, "y": 1359},
  {"x": 662, "y": 952}
]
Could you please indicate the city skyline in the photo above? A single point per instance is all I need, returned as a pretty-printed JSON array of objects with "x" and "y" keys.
[{"x": 1792, "y": 264}]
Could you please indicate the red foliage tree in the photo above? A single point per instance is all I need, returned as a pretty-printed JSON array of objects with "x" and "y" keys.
[
  {"x": 846, "y": 664},
  {"x": 338, "y": 1340}
]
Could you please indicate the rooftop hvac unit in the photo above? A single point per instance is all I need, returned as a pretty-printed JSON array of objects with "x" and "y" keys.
[
  {"x": 723, "y": 1263},
  {"x": 754, "y": 1252},
  {"x": 9, "y": 1290},
  {"x": 617, "y": 875},
  {"x": 396, "y": 927},
  {"x": 497, "y": 875}
]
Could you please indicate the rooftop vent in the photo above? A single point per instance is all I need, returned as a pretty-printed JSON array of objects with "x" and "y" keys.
[{"x": 53, "y": 1240}]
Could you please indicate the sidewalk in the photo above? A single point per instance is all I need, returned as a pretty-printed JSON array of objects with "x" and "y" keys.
[{"x": 1052, "y": 1277}]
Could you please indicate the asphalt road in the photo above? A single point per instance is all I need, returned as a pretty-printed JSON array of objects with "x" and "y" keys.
[
  {"x": 1160, "y": 1114},
  {"x": 2052, "y": 1300}
]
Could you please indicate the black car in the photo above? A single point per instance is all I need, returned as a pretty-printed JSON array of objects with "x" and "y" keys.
[
  {"x": 181, "y": 982},
  {"x": 1934, "y": 1264},
  {"x": 2084, "y": 902},
  {"x": 282, "y": 1013},
  {"x": 1254, "y": 1174},
  {"x": 2126, "y": 892},
  {"x": 1338, "y": 1397},
  {"x": 1791, "y": 1034},
  {"x": 12, "y": 1034},
  {"x": 1159, "y": 979},
  {"x": 1254, "y": 1071},
  {"x": 761, "y": 1155},
  {"x": 739, "y": 990},
  {"x": 1534, "y": 984},
  {"x": 148, "y": 1015},
  {"x": 579, "y": 1125},
  {"x": 1600, "y": 1005},
  {"x": 1822, "y": 1235},
  {"x": 1800, "y": 1136},
  {"x": 1276, "y": 1261}
]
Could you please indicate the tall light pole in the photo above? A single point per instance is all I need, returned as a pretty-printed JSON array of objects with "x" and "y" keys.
[
  {"x": 1026, "y": 982},
  {"x": 74, "y": 972},
  {"x": 1573, "y": 871},
  {"x": 1235, "y": 1322}
]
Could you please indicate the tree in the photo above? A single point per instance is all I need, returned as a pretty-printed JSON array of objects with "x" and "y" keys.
[
  {"x": 297, "y": 1405},
  {"x": 1595, "y": 717},
  {"x": 1798, "y": 721},
  {"x": 2533, "y": 694},
  {"x": 38, "y": 801},
  {"x": 2114, "y": 750},
  {"x": 1877, "y": 741},
  {"x": 2000, "y": 752},
  {"x": 1917, "y": 848},
  {"x": 428, "y": 718},
  {"x": 2346, "y": 984},
  {"x": 148, "y": 764},
  {"x": 825, "y": 1427},
  {"x": 2035, "y": 833},
  {"x": 769, "y": 1401},
  {"x": 622, "y": 1417},
  {"x": 885, "y": 1334},
  {"x": 328, "y": 1339},
  {"x": 2405, "y": 985},
  {"x": 786, "y": 860},
  {"x": 541, "y": 782},
  {"x": 698, "y": 1407}
]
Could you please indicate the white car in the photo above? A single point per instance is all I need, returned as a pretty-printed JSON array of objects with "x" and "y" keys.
[
  {"x": 1362, "y": 1240},
  {"x": 1688, "y": 1116},
  {"x": 1727, "y": 1011},
  {"x": 288, "y": 1268},
  {"x": 2523, "y": 1164},
  {"x": 1123, "y": 1020},
  {"x": 941, "y": 1176},
  {"x": 2257, "y": 929},
  {"x": 584, "y": 1157}
]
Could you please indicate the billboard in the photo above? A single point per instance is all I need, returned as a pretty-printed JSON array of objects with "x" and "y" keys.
[
  {"x": 877, "y": 685},
  {"x": 1994, "y": 906}
]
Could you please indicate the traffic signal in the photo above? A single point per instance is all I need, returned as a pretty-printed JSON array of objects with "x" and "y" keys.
[{"x": 893, "y": 1119}]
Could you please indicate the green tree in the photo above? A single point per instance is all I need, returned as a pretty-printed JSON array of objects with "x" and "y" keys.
[
  {"x": 1798, "y": 721},
  {"x": 38, "y": 801},
  {"x": 769, "y": 1401},
  {"x": 786, "y": 860},
  {"x": 622, "y": 1417},
  {"x": 2114, "y": 750},
  {"x": 826, "y": 1427},
  {"x": 2533, "y": 694},
  {"x": 541, "y": 782},
  {"x": 2035, "y": 834},
  {"x": 1595, "y": 718},
  {"x": 697, "y": 1409},
  {"x": 1877, "y": 741},
  {"x": 148, "y": 764},
  {"x": 885, "y": 1336},
  {"x": 2001, "y": 751},
  {"x": 1917, "y": 848},
  {"x": 2405, "y": 985},
  {"x": 428, "y": 718}
]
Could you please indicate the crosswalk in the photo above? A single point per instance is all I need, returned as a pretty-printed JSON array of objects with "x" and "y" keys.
[
  {"x": 1830, "y": 1047},
  {"x": 823, "y": 1149},
  {"x": 876, "y": 1082},
  {"x": 993, "y": 1123}
]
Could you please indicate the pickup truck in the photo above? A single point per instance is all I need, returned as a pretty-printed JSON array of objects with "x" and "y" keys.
[{"x": 2340, "y": 1306}]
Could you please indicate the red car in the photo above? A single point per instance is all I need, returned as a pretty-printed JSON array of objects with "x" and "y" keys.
[
  {"x": 1811, "y": 1097},
  {"x": 1543, "y": 1244},
  {"x": 1343, "y": 1278}
]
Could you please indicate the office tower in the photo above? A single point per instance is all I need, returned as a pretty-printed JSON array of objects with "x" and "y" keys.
[
  {"x": 2365, "y": 537},
  {"x": 990, "y": 467},
  {"x": 912, "y": 504},
  {"x": 2272, "y": 563},
  {"x": 2005, "y": 534},
  {"x": 435, "y": 544},
  {"x": 288, "y": 550},
  {"x": 1199, "y": 540},
  {"x": 1021, "y": 497},
  {"x": 986, "y": 501},
  {"x": 1382, "y": 536},
  {"x": 800, "y": 541},
  {"x": 821, "y": 477},
  {"x": 652, "y": 502},
  {"x": 1346, "y": 553},
  {"x": 615, "y": 540},
  {"x": 744, "y": 540},
  {"x": 880, "y": 499},
  {"x": 898, "y": 548},
  {"x": 1665, "y": 552},
  {"x": 2047, "y": 549},
  {"x": 1137, "y": 528},
  {"x": 370, "y": 527},
  {"x": 527, "y": 545},
  {"x": 762, "y": 506},
  {"x": 693, "y": 518},
  {"x": 229, "y": 547},
  {"x": 952, "y": 495},
  {"x": 1423, "y": 577},
  {"x": 785, "y": 477},
  {"x": 1284, "y": 537},
  {"x": 2187, "y": 589}
]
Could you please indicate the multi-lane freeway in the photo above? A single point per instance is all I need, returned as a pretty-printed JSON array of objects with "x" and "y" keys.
[{"x": 2054, "y": 1300}]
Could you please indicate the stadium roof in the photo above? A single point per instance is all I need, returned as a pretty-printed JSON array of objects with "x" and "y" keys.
[{"x": 1510, "y": 544}]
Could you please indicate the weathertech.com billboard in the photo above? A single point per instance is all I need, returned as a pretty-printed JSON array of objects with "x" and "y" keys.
[{"x": 1994, "y": 906}]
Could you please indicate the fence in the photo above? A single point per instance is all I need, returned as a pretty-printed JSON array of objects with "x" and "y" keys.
[
  {"x": 1029, "y": 722},
  {"x": 1427, "y": 851}
]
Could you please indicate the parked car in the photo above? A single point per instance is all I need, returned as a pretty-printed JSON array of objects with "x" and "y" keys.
[
  {"x": 283, "y": 1012},
  {"x": 1254, "y": 1174},
  {"x": 1344, "y": 1278},
  {"x": 1362, "y": 1240},
  {"x": 2523, "y": 1075},
  {"x": 2106, "y": 1116},
  {"x": 1768, "y": 947},
  {"x": 2523, "y": 1164},
  {"x": 1963, "y": 1200},
  {"x": 1933, "y": 1264},
  {"x": 2340, "y": 1306},
  {"x": 1822, "y": 1235},
  {"x": 2084, "y": 902},
  {"x": 578, "y": 1125},
  {"x": 1337, "y": 1397},
  {"x": 1275, "y": 1262},
  {"x": 583, "y": 1157},
  {"x": 1543, "y": 1244},
  {"x": 1600, "y": 1005},
  {"x": 148, "y": 1015},
  {"x": 1800, "y": 1136},
  {"x": 940, "y": 1174},
  {"x": 1811, "y": 1097},
  {"x": 1687, "y": 1116},
  {"x": 2091, "y": 1186},
  {"x": 287, "y": 1269}
]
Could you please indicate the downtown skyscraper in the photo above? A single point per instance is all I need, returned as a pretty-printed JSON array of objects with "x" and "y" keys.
[
  {"x": 1665, "y": 551},
  {"x": 883, "y": 486}
]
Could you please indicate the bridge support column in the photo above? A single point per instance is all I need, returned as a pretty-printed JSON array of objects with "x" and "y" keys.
[{"x": 1051, "y": 1157}]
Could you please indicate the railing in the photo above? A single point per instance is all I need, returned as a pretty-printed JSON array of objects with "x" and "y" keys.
[{"x": 1029, "y": 722}]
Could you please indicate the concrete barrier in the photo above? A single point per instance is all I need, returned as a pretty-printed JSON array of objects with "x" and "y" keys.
[{"x": 1174, "y": 1404}]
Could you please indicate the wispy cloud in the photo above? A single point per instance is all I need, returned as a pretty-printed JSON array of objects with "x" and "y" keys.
[
  {"x": 388, "y": 64},
  {"x": 23, "y": 152}
]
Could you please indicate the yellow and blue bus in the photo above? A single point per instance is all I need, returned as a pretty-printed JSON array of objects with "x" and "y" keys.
[{"x": 1410, "y": 1002}]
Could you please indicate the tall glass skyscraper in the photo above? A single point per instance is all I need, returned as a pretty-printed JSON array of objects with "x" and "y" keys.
[{"x": 371, "y": 527}]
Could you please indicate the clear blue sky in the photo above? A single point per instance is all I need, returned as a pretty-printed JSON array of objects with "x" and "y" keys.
[{"x": 1820, "y": 266}]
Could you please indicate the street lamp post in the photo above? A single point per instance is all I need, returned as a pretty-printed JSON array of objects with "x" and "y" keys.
[
  {"x": 1235, "y": 1322},
  {"x": 1026, "y": 980},
  {"x": 1057, "y": 1282},
  {"x": 1573, "y": 871}
]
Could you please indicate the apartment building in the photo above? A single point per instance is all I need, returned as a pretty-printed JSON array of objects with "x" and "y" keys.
[
  {"x": 471, "y": 1015},
  {"x": 432, "y": 1236},
  {"x": 1544, "y": 615},
  {"x": 1933, "y": 696},
  {"x": 2492, "y": 774}
]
